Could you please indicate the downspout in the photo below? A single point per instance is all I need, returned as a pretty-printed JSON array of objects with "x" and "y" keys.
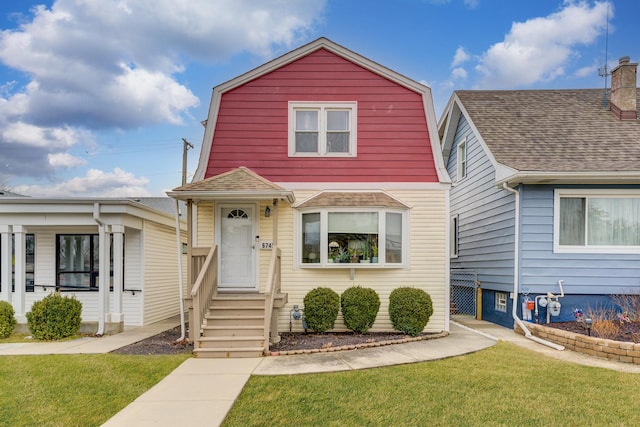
[
  {"x": 180, "y": 279},
  {"x": 516, "y": 270},
  {"x": 101, "y": 283}
]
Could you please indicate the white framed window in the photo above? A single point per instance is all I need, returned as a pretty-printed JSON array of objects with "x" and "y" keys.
[
  {"x": 462, "y": 159},
  {"x": 352, "y": 237},
  {"x": 597, "y": 221},
  {"x": 455, "y": 226},
  {"x": 322, "y": 129},
  {"x": 501, "y": 301}
]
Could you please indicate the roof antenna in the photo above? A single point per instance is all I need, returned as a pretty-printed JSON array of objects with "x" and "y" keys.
[{"x": 603, "y": 71}]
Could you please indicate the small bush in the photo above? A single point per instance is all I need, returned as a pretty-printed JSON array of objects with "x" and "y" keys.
[
  {"x": 321, "y": 307},
  {"x": 359, "y": 308},
  {"x": 410, "y": 310},
  {"x": 54, "y": 317},
  {"x": 8, "y": 320}
]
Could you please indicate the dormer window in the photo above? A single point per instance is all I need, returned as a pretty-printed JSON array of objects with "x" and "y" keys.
[{"x": 322, "y": 129}]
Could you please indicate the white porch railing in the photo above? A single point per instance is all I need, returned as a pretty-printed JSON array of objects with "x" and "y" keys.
[
  {"x": 204, "y": 288},
  {"x": 272, "y": 288}
]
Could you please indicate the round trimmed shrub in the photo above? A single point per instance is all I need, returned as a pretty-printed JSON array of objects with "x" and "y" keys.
[
  {"x": 410, "y": 310},
  {"x": 54, "y": 317},
  {"x": 321, "y": 307},
  {"x": 359, "y": 308},
  {"x": 8, "y": 320}
]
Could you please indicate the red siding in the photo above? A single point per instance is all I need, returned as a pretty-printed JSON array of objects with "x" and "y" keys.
[{"x": 393, "y": 141}]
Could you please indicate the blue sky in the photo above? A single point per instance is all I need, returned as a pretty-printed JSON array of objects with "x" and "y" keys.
[{"x": 95, "y": 96}]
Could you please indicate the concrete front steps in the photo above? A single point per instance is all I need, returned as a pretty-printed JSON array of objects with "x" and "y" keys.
[{"x": 234, "y": 327}]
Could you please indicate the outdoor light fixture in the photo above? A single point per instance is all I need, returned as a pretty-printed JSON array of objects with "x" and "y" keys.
[
  {"x": 588, "y": 322},
  {"x": 267, "y": 212}
]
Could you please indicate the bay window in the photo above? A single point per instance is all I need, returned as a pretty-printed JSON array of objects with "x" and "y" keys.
[
  {"x": 597, "y": 221},
  {"x": 367, "y": 237}
]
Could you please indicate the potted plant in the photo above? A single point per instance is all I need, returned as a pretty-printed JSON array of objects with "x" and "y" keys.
[
  {"x": 374, "y": 252},
  {"x": 342, "y": 255},
  {"x": 354, "y": 253},
  {"x": 366, "y": 252}
]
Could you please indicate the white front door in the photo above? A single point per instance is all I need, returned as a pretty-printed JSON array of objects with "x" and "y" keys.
[{"x": 237, "y": 247}]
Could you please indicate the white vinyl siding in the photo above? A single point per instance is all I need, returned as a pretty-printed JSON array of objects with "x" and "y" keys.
[
  {"x": 426, "y": 255},
  {"x": 161, "y": 293}
]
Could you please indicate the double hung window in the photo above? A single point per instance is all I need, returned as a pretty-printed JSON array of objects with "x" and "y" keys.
[
  {"x": 322, "y": 129},
  {"x": 597, "y": 221}
]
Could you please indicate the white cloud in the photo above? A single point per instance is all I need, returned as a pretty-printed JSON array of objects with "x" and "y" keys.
[
  {"x": 65, "y": 160},
  {"x": 460, "y": 57},
  {"x": 96, "y": 183},
  {"x": 539, "y": 49},
  {"x": 459, "y": 73},
  {"x": 95, "y": 65},
  {"x": 471, "y": 3}
]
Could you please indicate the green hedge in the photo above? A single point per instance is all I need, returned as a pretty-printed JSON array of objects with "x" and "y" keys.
[
  {"x": 8, "y": 320},
  {"x": 359, "y": 308},
  {"x": 321, "y": 307},
  {"x": 410, "y": 310},
  {"x": 54, "y": 317}
]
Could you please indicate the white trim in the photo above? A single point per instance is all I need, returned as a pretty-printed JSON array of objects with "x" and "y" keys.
[
  {"x": 454, "y": 233},
  {"x": 364, "y": 186},
  {"x": 324, "y": 232},
  {"x": 322, "y": 108},
  {"x": 462, "y": 160},
  {"x": 499, "y": 306},
  {"x": 586, "y": 193},
  {"x": 255, "y": 232}
]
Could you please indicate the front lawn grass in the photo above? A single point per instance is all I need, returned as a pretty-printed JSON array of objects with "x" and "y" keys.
[
  {"x": 504, "y": 385},
  {"x": 75, "y": 390}
]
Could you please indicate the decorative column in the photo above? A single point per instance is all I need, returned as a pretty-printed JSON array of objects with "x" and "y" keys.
[
  {"x": 20, "y": 276},
  {"x": 5, "y": 262},
  {"x": 117, "y": 315}
]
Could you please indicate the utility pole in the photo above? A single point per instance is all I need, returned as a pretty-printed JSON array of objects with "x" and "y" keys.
[{"x": 185, "y": 147}]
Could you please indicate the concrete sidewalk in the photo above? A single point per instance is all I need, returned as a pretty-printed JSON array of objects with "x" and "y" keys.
[
  {"x": 90, "y": 345},
  {"x": 207, "y": 388}
]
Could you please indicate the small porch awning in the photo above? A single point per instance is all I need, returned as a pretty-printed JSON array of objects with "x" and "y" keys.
[{"x": 241, "y": 183}]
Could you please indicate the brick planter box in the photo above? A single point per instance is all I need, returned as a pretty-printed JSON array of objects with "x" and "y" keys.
[{"x": 619, "y": 351}]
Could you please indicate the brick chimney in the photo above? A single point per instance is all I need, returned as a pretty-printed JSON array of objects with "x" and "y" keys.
[{"x": 623, "y": 90}]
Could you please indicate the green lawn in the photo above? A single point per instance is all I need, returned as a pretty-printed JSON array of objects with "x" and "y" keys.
[
  {"x": 75, "y": 390},
  {"x": 504, "y": 385}
]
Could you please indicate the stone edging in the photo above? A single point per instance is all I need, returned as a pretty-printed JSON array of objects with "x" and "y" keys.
[
  {"x": 357, "y": 346},
  {"x": 619, "y": 351}
]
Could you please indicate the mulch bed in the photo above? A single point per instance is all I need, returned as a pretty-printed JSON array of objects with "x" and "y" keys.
[
  {"x": 290, "y": 343},
  {"x": 627, "y": 331},
  {"x": 163, "y": 343}
]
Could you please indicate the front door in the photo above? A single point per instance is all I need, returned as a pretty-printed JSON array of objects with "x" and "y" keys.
[{"x": 237, "y": 247}]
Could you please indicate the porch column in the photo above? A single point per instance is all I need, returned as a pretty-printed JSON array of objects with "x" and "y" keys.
[
  {"x": 117, "y": 315},
  {"x": 103, "y": 276},
  {"x": 5, "y": 262},
  {"x": 188, "y": 301},
  {"x": 20, "y": 277}
]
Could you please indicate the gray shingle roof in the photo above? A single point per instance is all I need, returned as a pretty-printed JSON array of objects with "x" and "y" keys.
[{"x": 554, "y": 130}]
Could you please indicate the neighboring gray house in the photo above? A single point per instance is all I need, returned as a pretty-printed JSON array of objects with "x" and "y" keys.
[{"x": 546, "y": 193}]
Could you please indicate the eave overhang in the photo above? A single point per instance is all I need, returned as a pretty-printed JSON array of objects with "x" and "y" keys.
[
  {"x": 203, "y": 195},
  {"x": 541, "y": 178}
]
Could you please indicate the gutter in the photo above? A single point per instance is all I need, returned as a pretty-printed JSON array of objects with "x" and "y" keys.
[
  {"x": 516, "y": 269},
  {"x": 101, "y": 281}
]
